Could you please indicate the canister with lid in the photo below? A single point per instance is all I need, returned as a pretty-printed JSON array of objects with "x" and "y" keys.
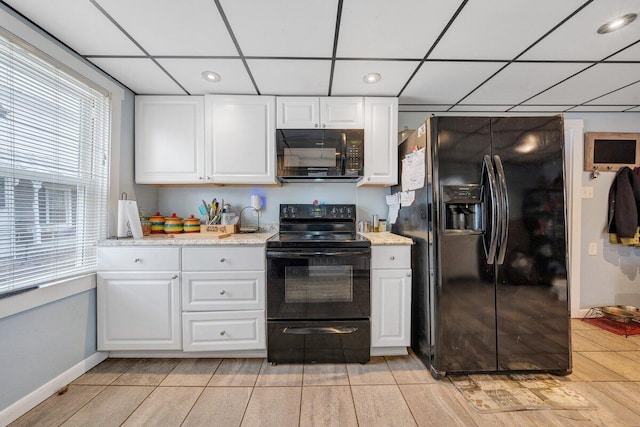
[
  {"x": 191, "y": 225},
  {"x": 157, "y": 223},
  {"x": 173, "y": 224}
]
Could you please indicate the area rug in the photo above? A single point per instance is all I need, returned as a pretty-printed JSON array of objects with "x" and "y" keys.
[
  {"x": 618, "y": 328},
  {"x": 517, "y": 392}
]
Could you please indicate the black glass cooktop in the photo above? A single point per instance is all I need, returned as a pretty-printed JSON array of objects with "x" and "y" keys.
[{"x": 318, "y": 240}]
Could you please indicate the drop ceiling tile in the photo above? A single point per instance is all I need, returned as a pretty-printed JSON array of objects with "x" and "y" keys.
[
  {"x": 500, "y": 29},
  {"x": 348, "y": 77},
  {"x": 632, "y": 53},
  {"x": 541, "y": 108},
  {"x": 78, "y": 24},
  {"x": 447, "y": 82},
  {"x": 188, "y": 72},
  {"x": 520, "y": 81},
  {"x": 141, "y": 75},
  {"x": 596, "y": 81},
  {"x": 169, "y": 27},
  {"x": 285, "y": 28},
  {"x": 391, "y": 29},
  {"x": 407, "y": 108},
  {"x": 478, "y": 108},
  {"x": 577, "y": 39},
  {"x": 598, "y": 108},
  {"x": 291, "y": 77},
  {"x": 630, "y": 95}
]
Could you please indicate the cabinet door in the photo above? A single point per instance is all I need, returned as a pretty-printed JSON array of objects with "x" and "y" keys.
[
  {"x": 297, "y": 112},
  {"x": 390, "y": 308},
  {"x": 240, "y": 139},
  {"x": 342, "y": 112},
  {"x": 139, "y": 311},
  {"x": 169, "y": 142},
  {"x": 380, "y": 142}
]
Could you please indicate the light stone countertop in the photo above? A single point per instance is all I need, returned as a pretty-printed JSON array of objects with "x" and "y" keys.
[
  {"x": 192, "y": 239},
  {"x": 387, "y": 238},
  {"x": 241, "y": 239}
]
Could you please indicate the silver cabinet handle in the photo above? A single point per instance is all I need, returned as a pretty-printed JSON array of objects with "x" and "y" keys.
[
  {"x": 324, "y": 125},
  {"x": 222, "y": 292},
  {"x": 200, "y": 178},
  {"x": 137, "y": 260},
  {"x": 222, "y": 333},
  {"x": 222, "y": 259},
  {"x": 174, "y": 277},
  {"x": 316, "y": 125},
  {"x": 208, "y": 178},
  {"x": 392, "y": 257},
  {"x": 408, "y": 274}
]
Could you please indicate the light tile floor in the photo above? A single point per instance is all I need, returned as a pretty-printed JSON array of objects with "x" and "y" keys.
[{"x": 388, "y": 391}]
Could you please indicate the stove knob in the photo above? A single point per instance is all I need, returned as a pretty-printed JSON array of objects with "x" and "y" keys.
[{"x": 334, "y": 211}]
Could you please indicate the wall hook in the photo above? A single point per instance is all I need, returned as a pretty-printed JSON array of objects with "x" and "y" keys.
[{"x": 594, "y": 173}]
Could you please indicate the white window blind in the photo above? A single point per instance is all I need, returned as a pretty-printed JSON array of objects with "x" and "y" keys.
[{"x": 54, "y": 139}]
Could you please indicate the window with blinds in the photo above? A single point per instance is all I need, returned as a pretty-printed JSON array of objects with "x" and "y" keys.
[{"x": 54, "y": 139}]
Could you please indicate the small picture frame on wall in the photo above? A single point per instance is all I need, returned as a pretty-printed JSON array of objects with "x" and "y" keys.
[{"x": 611, "y": 151}]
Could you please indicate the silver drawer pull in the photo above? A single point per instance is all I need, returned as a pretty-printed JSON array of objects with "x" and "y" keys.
[
  {"x": 222, "y": 259},
  {"x": 223, "y": 332},
  {"x": 392, "y": 257},
  {"x": 408, "y": 274},
  {"x": 222, "y": 292},
  {"x": 174, "y": 277},
  {"x": 137, "y": 260}
]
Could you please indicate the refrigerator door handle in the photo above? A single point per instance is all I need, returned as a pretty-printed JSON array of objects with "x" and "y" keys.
[
  {"x": 504, "y": 212},
  {"x": 495, "y": 207}
]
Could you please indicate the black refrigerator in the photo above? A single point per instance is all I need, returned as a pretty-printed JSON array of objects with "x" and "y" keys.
[{"x": 490, "y": 288}]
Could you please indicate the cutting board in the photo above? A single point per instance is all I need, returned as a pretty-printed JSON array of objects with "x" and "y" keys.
[{"x": 196, "y": 236}]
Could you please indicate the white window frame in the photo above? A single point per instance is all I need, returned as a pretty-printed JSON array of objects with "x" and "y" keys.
[{"x": 13, "y": 23}]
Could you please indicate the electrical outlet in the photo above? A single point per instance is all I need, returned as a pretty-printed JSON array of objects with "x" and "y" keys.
[
  {"x": 593, "y": 248},
  {"x": 587, "y": 192}
]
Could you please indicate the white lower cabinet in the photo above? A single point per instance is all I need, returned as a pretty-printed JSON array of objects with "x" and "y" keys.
[
  {"x": 390, "y": 299},
  {"x": 223, "y": 298},
  {"x": 138, "y": 298},
  {"x": 139, "y": 311}
]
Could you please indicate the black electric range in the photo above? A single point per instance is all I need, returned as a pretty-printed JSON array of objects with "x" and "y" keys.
[{"x": 318, "y": 286}]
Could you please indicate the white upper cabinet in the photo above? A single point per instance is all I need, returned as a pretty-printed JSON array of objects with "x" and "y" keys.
[
  {"x": 380, "y": 141},
  {"x": 240, "y": 139},
  {"x": 169, "y": 139},
  {"x": 297, "y": 112}
]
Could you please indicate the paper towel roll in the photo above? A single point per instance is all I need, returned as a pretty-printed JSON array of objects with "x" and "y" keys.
[
  {"x": 122, "y": 219},
  {"x": 134, "y": 218},
  {"x": 256, "y": 202}
]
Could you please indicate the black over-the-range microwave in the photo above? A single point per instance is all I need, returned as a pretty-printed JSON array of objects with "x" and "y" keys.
[{"x": 320, "y": 155}]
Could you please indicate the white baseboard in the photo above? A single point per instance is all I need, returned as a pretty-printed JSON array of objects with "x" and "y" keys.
[
  {"x": 34, "y": 398},
  {"x": 187, "y": 354}
]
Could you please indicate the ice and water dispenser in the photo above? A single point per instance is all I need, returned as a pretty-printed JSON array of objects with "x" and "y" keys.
[{"x": 463, "y": 207}]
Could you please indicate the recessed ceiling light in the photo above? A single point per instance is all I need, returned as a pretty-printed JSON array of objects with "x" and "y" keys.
[
  {"x": 372, "y": 78},
  {"x": 617, "y": 23},
  {"x": 210, "y": 76}
]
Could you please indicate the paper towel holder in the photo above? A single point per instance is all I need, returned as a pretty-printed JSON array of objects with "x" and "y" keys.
[{"x": 256, "y": 206}]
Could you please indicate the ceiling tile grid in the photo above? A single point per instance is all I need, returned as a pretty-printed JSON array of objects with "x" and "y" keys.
[{"x": 462, "y": 55}]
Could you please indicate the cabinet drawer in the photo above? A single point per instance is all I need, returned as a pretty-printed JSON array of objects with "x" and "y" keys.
[
  {"x": 391, "y": 256},
  {"x": 138, "y": 259},
  {"x": 224, "y": 330},
  {"x": 214, "y": 291},
  {"x": 227, "y": 258}
]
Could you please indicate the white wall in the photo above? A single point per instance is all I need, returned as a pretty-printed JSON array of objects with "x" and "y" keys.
[
  {"x": 184, "y": 201},
  {"x": 613, "y": 275}
]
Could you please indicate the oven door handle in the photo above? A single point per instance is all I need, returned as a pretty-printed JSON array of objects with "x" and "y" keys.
[
  {"x": 298, "y": 254},
  {"x": 319, "y": 330}
]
